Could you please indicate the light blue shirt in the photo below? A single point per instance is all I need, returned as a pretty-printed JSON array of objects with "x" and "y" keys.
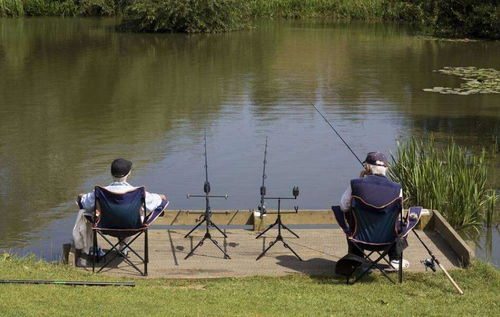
[{"x": 152, "y": 200}]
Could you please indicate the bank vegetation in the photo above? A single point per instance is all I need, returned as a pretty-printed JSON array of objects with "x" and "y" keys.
[
  {"x": 448, "y": 178},
  {"x": 423, "y": 293},
  {"x": 442, "y": 18}
]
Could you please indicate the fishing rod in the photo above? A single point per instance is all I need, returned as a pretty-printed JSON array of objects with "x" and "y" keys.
[
  {"x": 262, "y": 206},
  {"x": 427, "y": 262},
  {"x": 338, "y": 134},
  {"x": 206, "y": 218},
  {"x": 278, "y": 222},
  {"x": 69, "y": 283}
]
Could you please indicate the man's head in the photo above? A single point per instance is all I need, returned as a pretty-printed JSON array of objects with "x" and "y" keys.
[
  {"x": 376, "y": 163},
  {"x": 120, "y": 169}
]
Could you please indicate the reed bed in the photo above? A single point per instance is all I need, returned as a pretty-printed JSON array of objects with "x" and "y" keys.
[
  {"x": 64, "y": 8},
  {"x": 340, "y": 9},
  {"x": 450, "y": 179}
]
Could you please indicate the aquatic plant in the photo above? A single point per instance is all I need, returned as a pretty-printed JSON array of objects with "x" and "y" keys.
[
  {"x": 477, "y": 81},
  {"x": 188, "y": 16},
  {"x": 450, "y": 179}
]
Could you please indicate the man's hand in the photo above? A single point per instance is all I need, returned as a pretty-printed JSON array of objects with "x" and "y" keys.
[
  {"x": 163, "y": 197},
  {"x": 79, "y": 197}
]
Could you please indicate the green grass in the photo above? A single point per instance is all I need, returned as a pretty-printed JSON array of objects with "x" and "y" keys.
[
  {"x": 421, "y": 294},
  {"x": 450, "y": 179},
  {"x": 340, "y": 9}
]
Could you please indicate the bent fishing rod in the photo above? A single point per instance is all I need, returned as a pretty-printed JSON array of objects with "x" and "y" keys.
[
  {"x": 428, "y": 262},
  {"x": 206, "y": 218},
  {"x": 338, "y": 134}
]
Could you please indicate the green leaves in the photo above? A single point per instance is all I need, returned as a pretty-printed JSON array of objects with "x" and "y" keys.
[
  {"x": 450, "y": 179},
  {"x": 477, "y": 81},
  {"x": 188, "y": 16}
]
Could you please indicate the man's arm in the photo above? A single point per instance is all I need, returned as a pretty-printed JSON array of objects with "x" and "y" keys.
[
  {"x": 154, "y": 201},
  {"x": 345, "y": 201},
  {"x": 86, "y": 201}
]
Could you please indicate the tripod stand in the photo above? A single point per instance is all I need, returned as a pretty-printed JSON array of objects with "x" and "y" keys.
[
  {"x": 281, "y": 226},
  {"x": 206, "y": 219}
]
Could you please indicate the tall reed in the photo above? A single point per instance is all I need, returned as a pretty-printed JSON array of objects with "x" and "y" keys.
[{"x": 449, "y": 179}]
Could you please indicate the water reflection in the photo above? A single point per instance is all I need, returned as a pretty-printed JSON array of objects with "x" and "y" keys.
[{"x": 74, "y": 94}]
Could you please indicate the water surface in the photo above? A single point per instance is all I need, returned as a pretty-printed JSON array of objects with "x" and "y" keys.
[{"x": 75, "y": 94}]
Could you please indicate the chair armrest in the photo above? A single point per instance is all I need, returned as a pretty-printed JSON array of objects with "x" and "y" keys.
[
  {"x": 413, "y": 219},
  {"x": 157, "y": 212},
  {"x": 340, "y": 217}
]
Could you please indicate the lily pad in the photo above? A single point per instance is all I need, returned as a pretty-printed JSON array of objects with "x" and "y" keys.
[{"x": 477, "y": 81}]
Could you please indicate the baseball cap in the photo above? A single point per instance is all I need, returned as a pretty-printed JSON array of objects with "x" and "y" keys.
[
  {"x": 376, "y": 158},
  {"x": 120, "y": 167}
]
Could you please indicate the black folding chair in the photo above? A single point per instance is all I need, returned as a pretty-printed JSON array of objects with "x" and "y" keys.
[
  {"x": 375, "y": 230},
  {"x": 122, "y": 215}
]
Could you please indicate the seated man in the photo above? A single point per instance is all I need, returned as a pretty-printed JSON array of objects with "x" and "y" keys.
[
  {"x": 372, "y": 181},
  {"x": 120, "y": 170}
]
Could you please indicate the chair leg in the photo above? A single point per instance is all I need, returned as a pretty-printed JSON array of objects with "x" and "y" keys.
[
  {"x": 94, "y": 247},
  {"x": 146, "y": 253},
  {"x": 401, "y": 267}
]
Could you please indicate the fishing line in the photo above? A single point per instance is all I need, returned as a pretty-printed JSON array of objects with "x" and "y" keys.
[{"x": 334, "y": 130}]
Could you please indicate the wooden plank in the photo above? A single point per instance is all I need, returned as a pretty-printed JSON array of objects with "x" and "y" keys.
[{"x": 446, "y": 231}]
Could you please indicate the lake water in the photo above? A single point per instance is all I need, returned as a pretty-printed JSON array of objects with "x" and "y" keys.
[{"x": 75, "y": 94}]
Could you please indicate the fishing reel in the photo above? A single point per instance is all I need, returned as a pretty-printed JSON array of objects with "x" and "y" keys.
[
  {"x": 206, "y": 187},
  {"x": 429, "y": 264},
  {"x": 295, "y": 191}
]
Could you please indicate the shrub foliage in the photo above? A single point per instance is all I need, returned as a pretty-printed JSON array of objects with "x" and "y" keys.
[
  {"x": 190, "y": 16},
  {"x": 450, "y": 18}
]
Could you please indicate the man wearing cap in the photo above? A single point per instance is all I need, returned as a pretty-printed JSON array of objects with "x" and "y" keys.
[
  {"x": 372, "y": 182},
  {"x": 120, "y": 171}
]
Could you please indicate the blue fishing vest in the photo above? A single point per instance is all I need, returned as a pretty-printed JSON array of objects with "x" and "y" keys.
[{"x": 375, "y": 190}]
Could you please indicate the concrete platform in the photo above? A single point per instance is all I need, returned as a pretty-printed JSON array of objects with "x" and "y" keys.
[{"x": 319, "y": 248}]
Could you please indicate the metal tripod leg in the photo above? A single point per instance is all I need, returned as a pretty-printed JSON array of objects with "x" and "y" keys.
[
  {"x": 207, "y": 236},
  {"x": 269, "y": 247},
  {"x": 268, "y": 228},
  {"x": 290, "y": 248},
  {"x": 195, "y": 227},
  {"x": 226, "y": 256},
  {"x": 215, "y": 226},
  {"x": 278, "y": 238},
  {"x": 289, "y": 230},
  {"x": 196, "y": 247}
]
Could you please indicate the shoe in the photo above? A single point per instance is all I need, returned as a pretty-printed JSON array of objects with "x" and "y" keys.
[
  {"x": 100, "y": 252},
  {"x": 395, "y": 264},
  {"x": 124, "y": 251}
]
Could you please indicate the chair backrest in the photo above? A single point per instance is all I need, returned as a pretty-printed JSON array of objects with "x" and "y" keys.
[
  {"x": 119, "y": 211},
  {"x": 376, "y": 225}
]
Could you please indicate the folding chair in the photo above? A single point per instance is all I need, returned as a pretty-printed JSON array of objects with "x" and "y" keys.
[
  {"x": 122, "y": 215},
  {"x": 375, "y": 229}
]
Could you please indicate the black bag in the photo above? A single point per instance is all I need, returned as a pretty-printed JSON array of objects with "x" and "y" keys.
[{"x": 348, "y": 264}]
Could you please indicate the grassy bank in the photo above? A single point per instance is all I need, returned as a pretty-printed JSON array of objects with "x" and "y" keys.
[
  {"x": 64, "y": 8},
  {"x": 339, "y": 9},
  {"x": 448, "y": 178},
  {"x": 421, "y": 294}
]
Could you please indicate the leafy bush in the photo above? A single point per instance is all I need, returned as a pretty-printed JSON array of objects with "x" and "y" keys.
[
  {"x": 189, "y": 16},
  {"x": 450, "y": 18}
]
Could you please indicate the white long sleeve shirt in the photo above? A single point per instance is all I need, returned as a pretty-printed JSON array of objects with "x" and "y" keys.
[{"x": 152, "y": 200}]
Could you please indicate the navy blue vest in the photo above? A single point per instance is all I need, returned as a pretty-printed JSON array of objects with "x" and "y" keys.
[{"x": 375, "y": 190}]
